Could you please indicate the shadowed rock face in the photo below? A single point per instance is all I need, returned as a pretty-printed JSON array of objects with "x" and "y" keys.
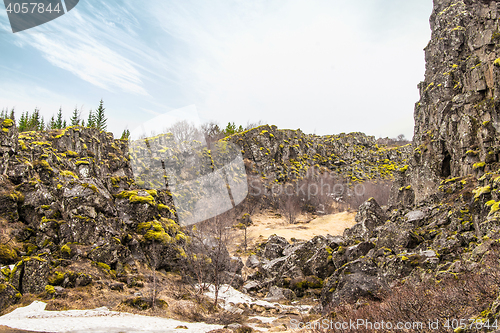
[{"x": 457, "y": 118}]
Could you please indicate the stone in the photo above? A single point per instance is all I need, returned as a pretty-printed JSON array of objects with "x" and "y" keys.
[
  {"x": 116, "y": 286},
  {"x": 278, "y": 294},
  {"x": 369, "y": 216},
  {"x": 252, "y": 261},
  {"x": 251, "y": 286},
  {"x": 274, "y": 247}
]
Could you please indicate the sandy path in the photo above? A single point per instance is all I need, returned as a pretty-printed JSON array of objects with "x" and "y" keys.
[{"x": 267, "y": 224}]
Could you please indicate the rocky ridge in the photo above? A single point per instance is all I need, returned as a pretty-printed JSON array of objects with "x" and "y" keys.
[{"x": 69, "y": 196}]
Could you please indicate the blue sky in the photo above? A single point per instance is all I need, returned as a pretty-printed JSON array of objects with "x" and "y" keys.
[{"x": 325, "y": 66}]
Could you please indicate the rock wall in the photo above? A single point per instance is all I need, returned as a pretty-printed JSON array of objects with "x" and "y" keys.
[
  {"x": 283, "y": 155},
  {"x": 457, "y": 118}
]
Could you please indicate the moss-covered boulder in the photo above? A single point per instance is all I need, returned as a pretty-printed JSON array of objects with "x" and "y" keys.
[
  {"x": 8, "y": 295},
  {"x": 8, "y": 255},
  {"x": 30, "y": 275},
  {"x": 369, "y": 216}
]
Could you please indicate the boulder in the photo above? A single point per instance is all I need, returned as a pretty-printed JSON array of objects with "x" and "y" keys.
[
  {"x": 250, "y": 286},
  {"x": 252, "y": 261},
  {"x": 274, "y": 247},
  {"x": 8, "y": 295},
  {"x": 356, "y": 279},
  {"x": 279, "y": 294},
  {"x": 370, "y": 215},
  {"x": 30, "y": 275}
]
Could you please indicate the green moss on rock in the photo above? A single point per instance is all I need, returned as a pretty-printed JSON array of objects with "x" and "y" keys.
[
  {"x": 50, "y": 289},
  {"x": 478, "y": 165},
  {"x": 56, "y": 278},
  {"x": 8, "y": 123},
  {"x": 7, "y": 254},
  {"x": 65, "y": 249}
]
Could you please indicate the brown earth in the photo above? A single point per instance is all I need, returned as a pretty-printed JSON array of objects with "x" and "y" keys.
[
  {"x": 5, "y": 329},
  {"x": 268, "y": 223}
]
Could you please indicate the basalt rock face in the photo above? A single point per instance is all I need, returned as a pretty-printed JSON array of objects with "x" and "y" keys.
[
  {"x": 284, "y": 155},
  {"x": 457, "y": 120},
  {"x": 69, "y": 196}
]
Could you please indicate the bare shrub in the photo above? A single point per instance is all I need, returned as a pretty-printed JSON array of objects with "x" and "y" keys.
[
  {"x": 289, "y": 203},
  {"x": 207, "y": 258},
  {"x": 184, "y": 131},
  {"x": 463, "y": 295},
  {"x": 360, "y": 192}
]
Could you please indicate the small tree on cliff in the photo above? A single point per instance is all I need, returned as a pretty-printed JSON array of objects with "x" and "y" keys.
[
  {"x": 59, "y": 120},
  {"x": 125, "y": 134},
  {"x": 100, "y": 117},
  {"x": 91, "y": 119},
  {"x": 76, "y": 117},
  {"x": 207, "y": 260}
]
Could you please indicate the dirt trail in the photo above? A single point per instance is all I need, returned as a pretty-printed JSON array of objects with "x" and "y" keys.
[{"x": 267, "y": 224}]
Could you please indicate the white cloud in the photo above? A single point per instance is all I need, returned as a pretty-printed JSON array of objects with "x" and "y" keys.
[
  {"x": 80, "y": 47},
  {"x": 323, "y": 65}
]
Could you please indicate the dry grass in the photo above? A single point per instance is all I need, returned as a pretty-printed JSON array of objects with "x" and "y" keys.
[
  {"x": 183, "y": 302},
  {"x": 5, "y": 329},
  {"x": 456, "y": 296}
]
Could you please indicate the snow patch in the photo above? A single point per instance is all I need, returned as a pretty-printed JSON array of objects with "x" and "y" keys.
[
  {"x": 34, "y": 317},
  {"x": 231, "y": 296}
]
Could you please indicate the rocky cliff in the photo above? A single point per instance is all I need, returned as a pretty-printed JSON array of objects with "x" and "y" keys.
[
  {"x": 287, "y": 154},
  {"x": 70, "y": 205},
  {"x": 457, "y": 118},
  {"x": 69, "y": 196}
]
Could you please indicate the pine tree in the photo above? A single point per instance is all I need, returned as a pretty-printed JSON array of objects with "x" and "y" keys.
[
  {"x": 52, "y": 123},
  {"x": 230, "y": 128},
  {"x": 75, "y": 118},
  {"x": 64, "y": 124},
  {"x": 41, "y": 125},
  {"x": 100, "y": 117},
  {"x": 59, "y": 120},
  {"x": 125, "y": 135},
  {"x": 13, "y": 115},
  {"x": 33, "y": 122},
  {"x": 23, "y": 122},
  {"x": 90, "y": 120}
]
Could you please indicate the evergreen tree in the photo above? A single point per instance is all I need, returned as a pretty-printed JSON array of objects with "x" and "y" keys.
[
  {"x": 59, "y": 120},
  {"x": 75, "y": 118},
  {"x": 13, "y": 115},
  {"x": 52, "y": 123},
  {"x": 23, "y": 122},
  {"x": 100, "y": 117},
  {"x": 41, "y": 125},
  {"x": 125, "y": 135},
  {"x": 90, "y": 120},
  {"x": 230, "y": 128},
  {"x": 64, "y": 124},
  {"x": 33, "y": 121}
]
